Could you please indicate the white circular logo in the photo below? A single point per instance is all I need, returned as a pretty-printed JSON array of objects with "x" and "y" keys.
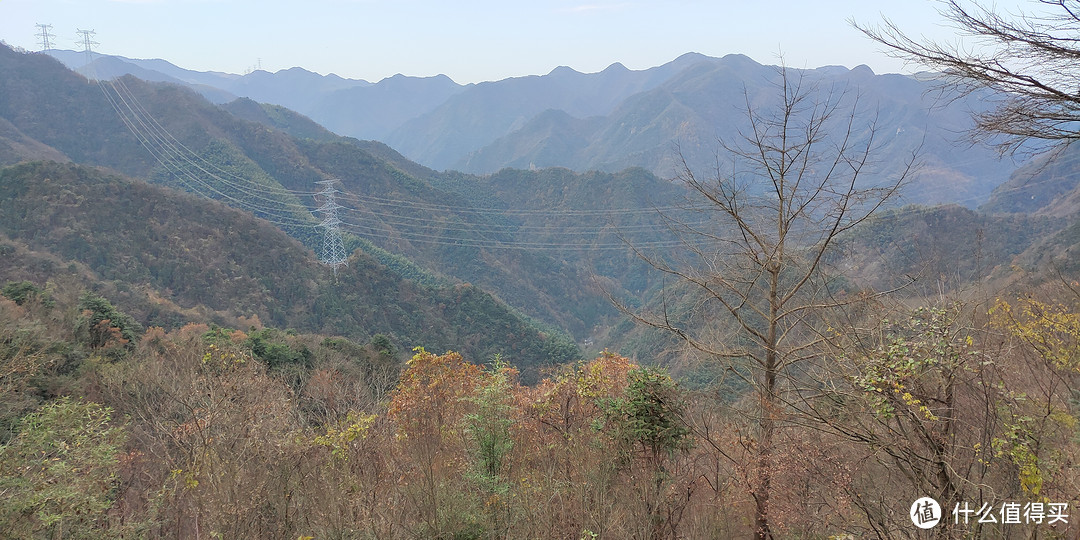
[{"x": 925, "y": 513}]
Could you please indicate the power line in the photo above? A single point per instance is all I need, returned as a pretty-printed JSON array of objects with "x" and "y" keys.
[
  {"x": 183, "y": 168},
  {"x": 379, "y": 217},
  {"x": 408, "y": 223},
  {"x": 182, "y": 162},
  {"x": 413, "y": 205}
]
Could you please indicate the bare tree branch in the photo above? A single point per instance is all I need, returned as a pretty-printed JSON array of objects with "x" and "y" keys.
[{"x": 1029, "y": 61}]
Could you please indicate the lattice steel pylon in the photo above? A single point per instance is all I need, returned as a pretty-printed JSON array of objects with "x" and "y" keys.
[
  {"x": 44, "y": 37},
  {"x": 333, "y": 250},
  {"x": 88, "y": 49}
]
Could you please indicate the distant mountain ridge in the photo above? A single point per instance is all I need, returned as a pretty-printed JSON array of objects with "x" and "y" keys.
[
  {"x": 295, "y": 88},
  {"x": 689, "y": 113},
  {"x": 486, "y": 111},
  {"x": 608, "y": 121},
  {"x": 439, "y": 231},
  {"x": 375, "y": 111},
  {"x": 352, "y": 107},
  {"x": 49, "y": 112}
]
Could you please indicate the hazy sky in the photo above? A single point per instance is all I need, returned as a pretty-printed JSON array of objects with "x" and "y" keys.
[{"x": 469, "y": 40}]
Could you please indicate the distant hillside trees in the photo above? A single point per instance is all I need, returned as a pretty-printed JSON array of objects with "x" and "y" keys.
[{"x": 102, "y": 326}]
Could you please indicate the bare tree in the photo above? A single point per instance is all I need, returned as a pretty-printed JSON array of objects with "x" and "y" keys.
[
  {"x": 758, "y": 245},
  {"x": 1030, "y": 60}
]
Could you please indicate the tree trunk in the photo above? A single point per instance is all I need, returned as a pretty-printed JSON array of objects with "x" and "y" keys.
[{"x": 767, "y": 423}]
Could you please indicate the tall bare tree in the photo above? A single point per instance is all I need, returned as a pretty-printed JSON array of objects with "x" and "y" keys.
[
  {"x": 1030, "y": 59},
  {"x": 758, "y": 245}
]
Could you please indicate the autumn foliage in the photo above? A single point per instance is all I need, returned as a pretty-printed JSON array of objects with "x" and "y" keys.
[{"x": 207, "y": 432}]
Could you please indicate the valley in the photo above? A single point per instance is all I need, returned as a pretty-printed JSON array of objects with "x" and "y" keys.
[{"x": 711, "y": 298}]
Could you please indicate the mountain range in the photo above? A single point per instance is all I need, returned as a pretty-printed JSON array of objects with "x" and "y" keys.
[
  {"x": 655, "y": 118},
  {"x": 534, "y": 249},
  {"x": 67, "y": 120}
]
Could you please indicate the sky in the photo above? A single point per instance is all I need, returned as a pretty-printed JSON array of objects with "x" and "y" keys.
[{"x": 470, "y": 40}]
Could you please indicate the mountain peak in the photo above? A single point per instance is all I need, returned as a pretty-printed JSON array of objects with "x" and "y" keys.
[
  {"x": 862, "y": 69},
  {"x": 691, "y": 57},
  {"x": 564, "y": 71},
  {"x": 617, "y": 67},
  {"x": 399, "y": 80},
  {"x": 296, "y": 70},
  {"x": 739, "y": 59}
]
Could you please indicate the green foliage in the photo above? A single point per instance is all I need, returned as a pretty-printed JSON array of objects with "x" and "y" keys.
[
  {"x": 337, "y": 438},
  {"x": 384, "y": 345},
  {"x": 1052, "y": 332},
  {"x": 1019, "y": 443},
  {"x": 488, "y": 428},
  {"x": 650, "y": 413},
  {"x": 59, "y": 475},
  {"x": 271, "y": 347},
  {"x": 518, "y": 341},
  {"x": 488, "y": 434},
  {"x": 22, "y": 291},
  {"x": 922, "y": 351},
  {"x": 102, "y": 326},
  {"x": 400, "y": 265}
]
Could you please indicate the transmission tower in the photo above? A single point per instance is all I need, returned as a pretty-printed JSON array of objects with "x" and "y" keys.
[
  {"x": 88, "y": 47},
  {"x": 44, "y": 37},
  {"x": 333, "y": 251}
]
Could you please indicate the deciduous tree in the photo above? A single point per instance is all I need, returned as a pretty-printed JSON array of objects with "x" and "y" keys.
[
  {"x": 758, "y": 260},
  {"x": 1029, "y": 59}
]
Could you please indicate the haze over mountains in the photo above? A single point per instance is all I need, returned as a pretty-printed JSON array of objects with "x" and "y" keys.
[
  {"x": 209, "y": 295},
  {"x": 607, "y": 121},
  {"x": 543, "y": 241},
  {"x": 68, "y": 120}
]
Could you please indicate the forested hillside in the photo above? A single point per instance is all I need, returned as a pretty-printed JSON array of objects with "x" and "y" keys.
[
  {"x": 1047, "y": 185},
  {"x": 610, "y": 120},
  {"x": 258, "y": 168},
  {"x": 771, "y": 343},
  {"x": 170, "y": 253}
]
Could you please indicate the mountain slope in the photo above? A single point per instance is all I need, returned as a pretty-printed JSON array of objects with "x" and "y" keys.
[
  {"x": 279, "y": 118},
  {"x": 56, "y": 107},
  {"x": 547, "y": 140},
  {"x": 373, "y": 112},
  {"x": 192, "y": 252},
  {"x": 1048, "y": 185},
  {"x": 707, "y": 101},
  {"x": 16, "y": 146},
  {"x": 249, "y": 163},
  {"x": 484, "y": 112}
]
